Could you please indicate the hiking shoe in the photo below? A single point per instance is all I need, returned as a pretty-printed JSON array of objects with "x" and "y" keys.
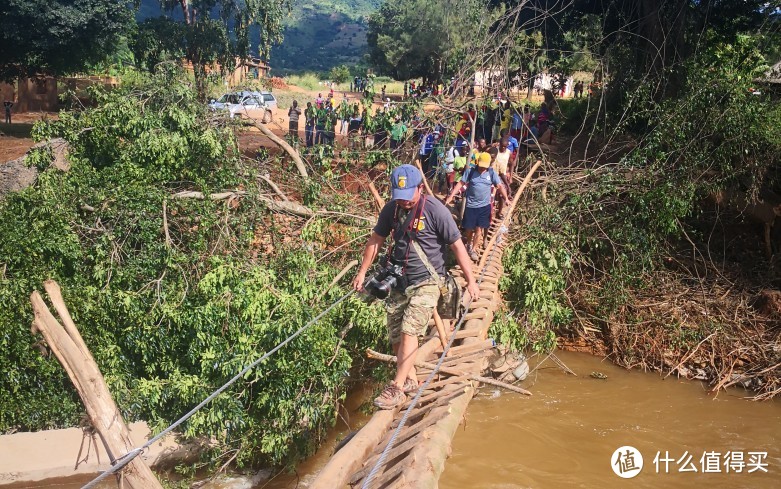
[
  {"x": 474, "y": 256},
  {"x": 410, "y": 386},
  {"x": 390, "y": 398}
]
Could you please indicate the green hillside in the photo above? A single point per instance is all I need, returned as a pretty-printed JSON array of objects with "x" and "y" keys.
[
  {"x": 323, "y": 34},
  {"x": 318, "y": 34}
]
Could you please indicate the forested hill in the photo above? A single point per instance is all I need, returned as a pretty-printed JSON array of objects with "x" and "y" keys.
[{"x": 319, "y": 34}]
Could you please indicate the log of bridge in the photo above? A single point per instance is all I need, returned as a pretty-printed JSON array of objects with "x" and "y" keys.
[
  {"x": 70, "y": 349},
  {"x": 451, "y": 371}
]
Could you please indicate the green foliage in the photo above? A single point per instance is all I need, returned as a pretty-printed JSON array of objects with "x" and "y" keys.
[
  {"x": 506, "y": 331},
  {"x": 339, "y": 74},
  {"x": 57, "y": 37},
  {"x": 169, "y": 323},
  {"x": 157, "y": 40},
  {"x": 629, "y": 215},
  {"x": 397, "y": 29},
  {"x": 534, "y": 283},
  {"x": 209, "y": 32},
  {"x": 308, "y": 81}
]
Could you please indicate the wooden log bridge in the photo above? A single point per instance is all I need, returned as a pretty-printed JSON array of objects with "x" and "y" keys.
[{"x": 417, "y": 458}]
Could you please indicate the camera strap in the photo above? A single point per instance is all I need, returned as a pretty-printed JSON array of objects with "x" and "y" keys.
[{"x": 408, "y": 227}]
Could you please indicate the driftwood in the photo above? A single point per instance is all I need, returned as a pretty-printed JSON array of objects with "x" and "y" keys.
[
  {"x": 425, "y": 181},
  {"x": 450, "y": 371},
  {"x": 69, "y": 348},
  {"x": 340, "y": 275},
  {"x": 286, "y": 147},
  {"x": 288, "y": 207},
  {"x": 347, "y": 460},
  {"x": 440, "y": 329}
]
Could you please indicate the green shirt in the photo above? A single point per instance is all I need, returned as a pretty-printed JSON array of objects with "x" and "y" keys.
[
  {"x": 458, "y": 165},
  {"x": 322, "y": 117},
  {"x": 310, "y": 113},
  {"x": 398, "y": 131}
]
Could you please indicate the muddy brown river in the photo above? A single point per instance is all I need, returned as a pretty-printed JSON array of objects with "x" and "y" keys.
[{"x": 565, "y": 435}]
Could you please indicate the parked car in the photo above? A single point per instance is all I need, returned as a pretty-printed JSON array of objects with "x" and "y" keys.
[
  {"x": 250, "y": 105},
  {"x": 270, "y": 100}
]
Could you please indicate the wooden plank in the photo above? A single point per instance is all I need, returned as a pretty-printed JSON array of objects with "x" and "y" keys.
[
  {"x": 410, "y": 431},
  {"x": 416, "y": 414},
  {"x": 482, "y": 345},
  {"x": 400, "y": 449},
  {"x": 438, "y": 392}
]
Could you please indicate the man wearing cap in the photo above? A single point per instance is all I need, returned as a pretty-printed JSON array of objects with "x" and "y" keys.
[
  {"x": 477, "y": 215},
  {"x": 412, "y": 217}
]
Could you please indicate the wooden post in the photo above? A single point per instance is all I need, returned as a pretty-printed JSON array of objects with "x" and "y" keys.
[
  {"x": 286, "y": 147},
  {"x": 69, "y": 348},
  {"x": 440, "y": 329}
]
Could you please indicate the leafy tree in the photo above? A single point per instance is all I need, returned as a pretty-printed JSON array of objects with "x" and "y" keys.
[
  {"x": 339, "y": 74},
  {"x": 211, "y": 32},
  {"x": 646, "y": 41},
  {"x": 422, "y": 38},
  {"x": 55, "y": 37}
]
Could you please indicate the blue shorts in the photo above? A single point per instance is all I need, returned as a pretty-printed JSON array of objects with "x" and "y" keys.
[{"x": 479, "y": 217}]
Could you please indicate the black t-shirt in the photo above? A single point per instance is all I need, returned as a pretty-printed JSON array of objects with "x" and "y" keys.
[{"x": 436, "y": 231}]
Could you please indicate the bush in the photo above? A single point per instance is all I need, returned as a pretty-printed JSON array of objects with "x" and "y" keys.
[
  {"x": 169, "y": 323},
  {"x": 339, "y": 74}
]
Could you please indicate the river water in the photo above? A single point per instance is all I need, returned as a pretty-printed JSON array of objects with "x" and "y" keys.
[{"x": 565, "y": 435}]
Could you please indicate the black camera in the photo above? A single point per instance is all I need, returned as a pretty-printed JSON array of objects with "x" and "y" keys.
[{"x": 390, "y": 276}]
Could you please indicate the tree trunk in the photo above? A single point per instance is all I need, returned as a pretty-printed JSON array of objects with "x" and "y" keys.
[
  {"x": 70, "y": 349},
  {"x": 530, "y": 91},
  {"x": 288, "y": 149}
]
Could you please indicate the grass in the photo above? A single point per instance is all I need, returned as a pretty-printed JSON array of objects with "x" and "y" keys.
[
  {"x": 395, "y": 87},
  {"x": 307, "y": 81}
]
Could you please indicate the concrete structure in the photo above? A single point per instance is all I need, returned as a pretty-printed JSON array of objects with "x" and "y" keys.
[
  {"x": 32, "y": 94},
  {"x": 55, "y": 454}
]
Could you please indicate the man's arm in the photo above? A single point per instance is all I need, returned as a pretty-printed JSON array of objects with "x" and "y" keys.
[
  {"x": 369, "y": 254},
  {"x": 463, "y": 260},
  {"x": 455, "y": 191}
]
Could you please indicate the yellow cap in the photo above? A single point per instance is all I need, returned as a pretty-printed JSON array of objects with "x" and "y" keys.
[{"x": 484, "y": 160}]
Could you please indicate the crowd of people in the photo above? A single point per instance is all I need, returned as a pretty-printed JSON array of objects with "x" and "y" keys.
[
  {"x": 443, "y": 150},
  {"x": 421, "y": 226}
]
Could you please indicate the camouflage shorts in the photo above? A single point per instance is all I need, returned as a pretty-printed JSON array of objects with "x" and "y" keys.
[{"x": 409, "y": 312}]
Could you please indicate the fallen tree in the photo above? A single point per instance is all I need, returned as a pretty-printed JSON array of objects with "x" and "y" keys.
[{"x": 167, "y": 274}]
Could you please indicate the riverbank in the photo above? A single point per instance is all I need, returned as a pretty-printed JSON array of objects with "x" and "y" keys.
[{"x": 33, "y": 460}]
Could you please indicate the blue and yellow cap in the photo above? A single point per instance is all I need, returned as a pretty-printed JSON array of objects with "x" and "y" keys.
[{"x": 404, "y": 180}]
